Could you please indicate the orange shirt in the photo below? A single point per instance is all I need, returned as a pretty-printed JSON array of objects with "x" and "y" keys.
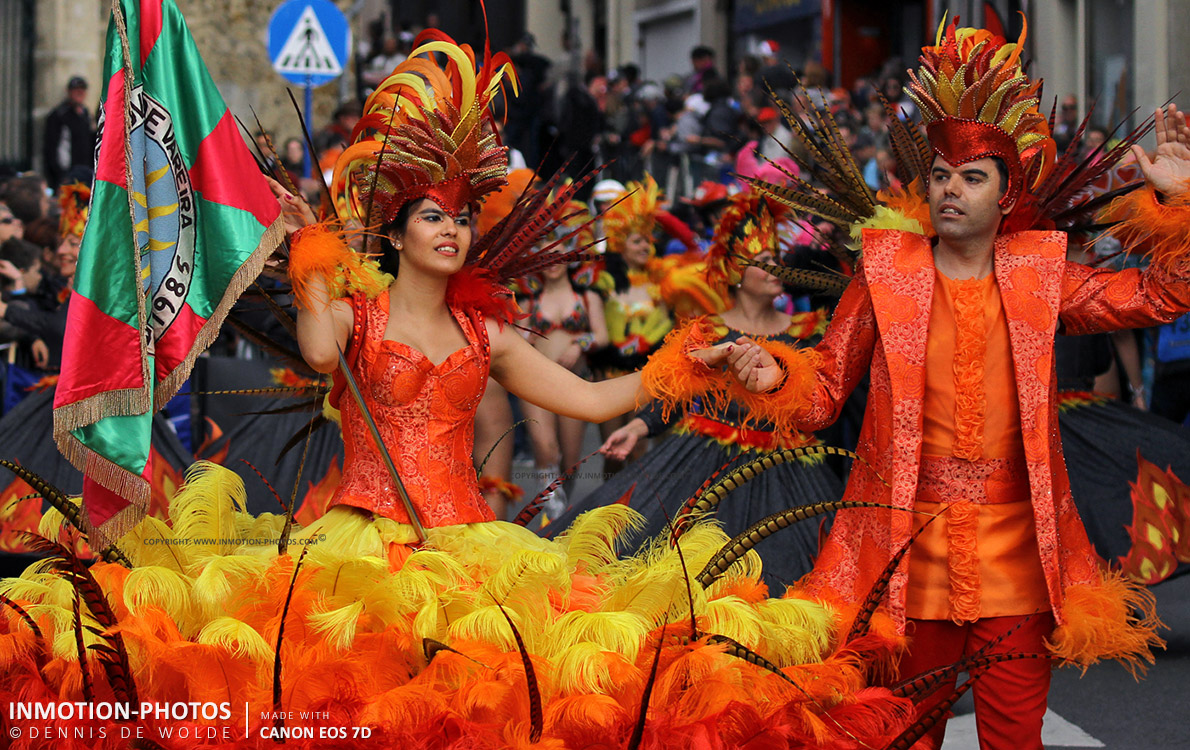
[{"x": 979, "y": 558}]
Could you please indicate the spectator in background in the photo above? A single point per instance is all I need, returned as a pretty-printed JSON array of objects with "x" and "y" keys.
[
  {"x": 337, "y": 135},
  {"x": 702, "y": 60},
  {"x": 388, "y": 56},
  {"x": 749, "y": 89},
  {"x": 527, "y": 114},
  {"x": 1094, "y": 137},
  {"x": 10, "y": 226},
  {"x": 69, "y": 134},
  {"x": 1067, "y": 122},
  {"x": 893, "y": 89},
  {"x": 293, "y": 155},
  {"x": 774, "y": 72},
  {"x": 28, "y": 199}
]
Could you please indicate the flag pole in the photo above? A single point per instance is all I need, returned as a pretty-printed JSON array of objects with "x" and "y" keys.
[{"x": 345, "y": 369}]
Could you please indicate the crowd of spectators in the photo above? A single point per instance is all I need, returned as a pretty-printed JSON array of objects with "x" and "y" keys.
[{"x": 687, "y": 131}]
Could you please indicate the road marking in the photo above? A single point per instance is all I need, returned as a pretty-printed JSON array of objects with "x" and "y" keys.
[{"x": 1055, "y": 732}]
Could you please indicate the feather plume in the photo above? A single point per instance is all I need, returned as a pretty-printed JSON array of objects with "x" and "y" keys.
[{"x": 237, "y": 638}]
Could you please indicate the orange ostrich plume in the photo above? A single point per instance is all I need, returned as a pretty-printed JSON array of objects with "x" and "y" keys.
[
  {"x": 75, "y": 200},
  {"x": 631, "y": 213}
]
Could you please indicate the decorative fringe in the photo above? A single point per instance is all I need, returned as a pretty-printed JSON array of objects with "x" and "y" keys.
[
  {"x": 970, "y": 354},
  {"x": 962, "y": 554},
  {"x": 1112, "y": 619},
  {"x": 1161, "y": 230}
]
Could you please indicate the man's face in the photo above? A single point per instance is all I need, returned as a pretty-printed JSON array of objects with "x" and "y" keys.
[
  {"x": 77, "y": 95},
  {"x": 1070, "y": 110},
  {"x": 964, "y": 200}
]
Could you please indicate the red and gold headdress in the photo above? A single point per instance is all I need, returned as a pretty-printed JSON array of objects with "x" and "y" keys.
[
  {"x": 634, "y": 212},
  {"x": 427, "y": 132},
  {"x": 748, "y": 228},
  {"x": 977, "y": 102},
  {"x": 74, "y": 200}
]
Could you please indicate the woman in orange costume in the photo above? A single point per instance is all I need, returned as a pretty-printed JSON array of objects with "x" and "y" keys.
[
  {"x": 351, "y": 620},
  {"x": 714, "y": 439}
]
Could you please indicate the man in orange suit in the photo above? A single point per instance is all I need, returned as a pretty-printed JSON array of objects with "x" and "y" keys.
[{"x": 956, "y": 328}]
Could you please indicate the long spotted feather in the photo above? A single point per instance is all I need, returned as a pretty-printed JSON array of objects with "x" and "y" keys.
[
  {"x": 278, "y": 713},
  {"x": 917, "y": 729},
  {"x": 917, "y": 687},
  {"x": 84, "y": 663},
  {"x": 536, "y": 715},
  {"x": 431, "y": 648},
  {"x": 530, "y": 511},
  {"x": 638, "y": 729},
  {"x": 71, "y": 512},
  {"x": 863, "y": 618},
  {"x": 828, "y": 282},
  {"x": 683, "y": 522},
  {"x": 710, "y": 498},
  {"x": 743, "y": 542}
]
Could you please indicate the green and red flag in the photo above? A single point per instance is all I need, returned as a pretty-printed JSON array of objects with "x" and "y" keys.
[{"x": 181, "y": 221}]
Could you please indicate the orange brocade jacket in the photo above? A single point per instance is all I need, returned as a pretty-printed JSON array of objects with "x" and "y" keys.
[{"x": 880, "y": 326}]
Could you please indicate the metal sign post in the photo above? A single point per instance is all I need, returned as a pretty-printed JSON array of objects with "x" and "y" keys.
[{"x": 309, "y": 43}]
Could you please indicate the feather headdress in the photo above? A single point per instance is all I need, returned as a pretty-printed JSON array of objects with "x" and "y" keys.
[
  {"x": 977, "y": 102},
  {"x": 632, "y": 213},
  {"x": 427, "y": 132},
  {"x": 74, "y": 201},
  {"x": 748, "y": 228}
]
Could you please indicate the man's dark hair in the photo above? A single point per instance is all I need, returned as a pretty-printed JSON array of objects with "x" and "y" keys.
[
  {"x": 701, "y": 52},
  {"x": 1002, "y": 168},
  {"x": 20, "y": 253},
  {"x": 24, "y": 198}
]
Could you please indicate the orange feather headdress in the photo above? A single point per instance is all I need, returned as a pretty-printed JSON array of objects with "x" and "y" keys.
[
  {"x": 427, "y": 132},
  {"x": 74, "y": 200},
  {"x": 977, "y": 102},
  {"x": 631, "y": 213},
  {"x": 748, "y": 228}
]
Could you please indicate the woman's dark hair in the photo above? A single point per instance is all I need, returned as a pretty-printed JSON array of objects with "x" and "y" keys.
[
  {"x": 617, "y": 267},
  {"x": 390, "y": 259}
]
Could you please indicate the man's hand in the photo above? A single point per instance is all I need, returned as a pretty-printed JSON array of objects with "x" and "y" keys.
[
  {"x": 1169, "y": 170},
  {"x": 12, "y": 273},
  {"x": 621, "y": 442},
  {"x": 754, "y": 367}
]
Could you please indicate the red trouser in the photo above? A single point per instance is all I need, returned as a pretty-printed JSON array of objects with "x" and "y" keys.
[{"x": 1009, "y": 697}]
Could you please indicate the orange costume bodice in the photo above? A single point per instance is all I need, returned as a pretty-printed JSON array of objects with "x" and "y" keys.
[{"x": 425, "y": 413}]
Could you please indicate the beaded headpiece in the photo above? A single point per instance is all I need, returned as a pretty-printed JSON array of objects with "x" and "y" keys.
[
  {"x": 426, "y": 132},
  {"x": 977, "y": 102},
  {"x": 634, "y": 212}
]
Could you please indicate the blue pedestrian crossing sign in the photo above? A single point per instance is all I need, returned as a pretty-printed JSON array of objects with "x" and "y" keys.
[{"x": 309, "y": 41}]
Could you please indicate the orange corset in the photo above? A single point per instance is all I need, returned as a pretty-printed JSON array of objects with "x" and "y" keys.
[{"x": 426, "y": 416}]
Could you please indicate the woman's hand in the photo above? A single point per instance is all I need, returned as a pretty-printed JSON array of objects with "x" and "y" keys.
[
  {"x": 41, "y": 354},
  {"x": 753, "y": 366},
  {"x": 621, "y": 442},
  {"x": 294, "y": 209}
]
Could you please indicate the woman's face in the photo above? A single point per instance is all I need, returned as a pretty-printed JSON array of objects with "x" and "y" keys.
[
  {"x": 66, "y": 257},
  {"x": 637, "y": 250},
  {"x": 758, "y": 282},
  {"x": 554, "y": 272},
  {"x": 432, "y": 241},
  {"x": 294, "y": 152}
]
